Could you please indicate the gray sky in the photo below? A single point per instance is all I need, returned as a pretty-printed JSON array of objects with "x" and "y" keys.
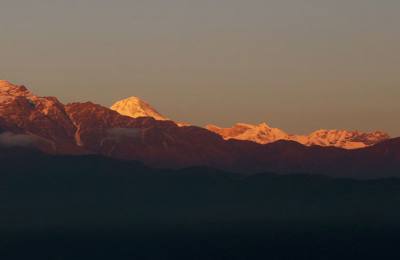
[{"x": 299, "y": 65}]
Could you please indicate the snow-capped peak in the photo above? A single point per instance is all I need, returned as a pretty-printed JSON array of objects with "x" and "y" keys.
[
  {"x": 265, "y": 134},
  {"x": 261, "y": 133},
  {"x": 9, "y": 89},
  {"x": 343, "y": 138},
  {"x": 136, "y": 107}
]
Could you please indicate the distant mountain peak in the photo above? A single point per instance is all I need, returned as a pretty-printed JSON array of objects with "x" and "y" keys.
[
  {"x": 4, "y": 83},
  {"x": 42, "y": 118},
  {"x": 261, "y": 133},
  {"x": 9, "y": 89},
  {"x": 345, "y": 139},
  {"x": 264, "y": 134},
  {"x": 136, "y": 107}
]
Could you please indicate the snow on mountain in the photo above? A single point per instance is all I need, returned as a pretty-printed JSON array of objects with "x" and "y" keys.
[
  {"x": 8, "y": 92},
  {"x": 342, "y": 138},
  {"x": 87, "y": 128},
  {"x": 265, "y": 134},
  {"x": 43, "y": 118},
  {"x": 261, "y": 133},
  {"x": 135, "y": 107},
  {"x": 22, "y": 111}
]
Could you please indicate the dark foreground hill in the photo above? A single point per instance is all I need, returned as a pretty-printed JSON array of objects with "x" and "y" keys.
[{"x": 91, "y": 207}]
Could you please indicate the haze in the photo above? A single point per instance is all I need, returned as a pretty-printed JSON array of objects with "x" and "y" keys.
[{"x": 299, "y": 65}]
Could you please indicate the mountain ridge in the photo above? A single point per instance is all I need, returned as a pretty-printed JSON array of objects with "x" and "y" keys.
[
  {"x": 262, "y": 133},
  {"x": 88, "y": 128},
  {"x": 265, "y": 134}
]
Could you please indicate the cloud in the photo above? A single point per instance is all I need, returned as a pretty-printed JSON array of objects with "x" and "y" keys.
[{"x": 9, "y": 139}]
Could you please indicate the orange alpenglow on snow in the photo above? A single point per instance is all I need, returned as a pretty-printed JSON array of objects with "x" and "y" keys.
[
  {"x": 264, "y": 134},
  {"x": 11, "y": 95},
  {"x": 135, "y": 107}
]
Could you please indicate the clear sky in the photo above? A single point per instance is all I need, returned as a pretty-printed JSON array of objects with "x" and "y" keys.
[{"x": 299, "y": 65}]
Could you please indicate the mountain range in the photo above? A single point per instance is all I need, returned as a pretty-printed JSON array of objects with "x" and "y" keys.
[
  {"x": 133, "y": 130},
  {"x": 262, "y": 133},
  {"x": 265, "y": 134}
]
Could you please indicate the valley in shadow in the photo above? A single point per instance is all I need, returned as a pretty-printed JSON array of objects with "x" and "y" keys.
[{"x": 92, "y": 207}]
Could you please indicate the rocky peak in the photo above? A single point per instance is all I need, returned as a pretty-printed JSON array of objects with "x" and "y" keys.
[
  {"x": 43, "y": 118},
  {"x": 9, "y": 89}
]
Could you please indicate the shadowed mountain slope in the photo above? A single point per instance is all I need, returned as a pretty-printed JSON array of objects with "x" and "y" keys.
[{"x": 87, "y": 128}]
